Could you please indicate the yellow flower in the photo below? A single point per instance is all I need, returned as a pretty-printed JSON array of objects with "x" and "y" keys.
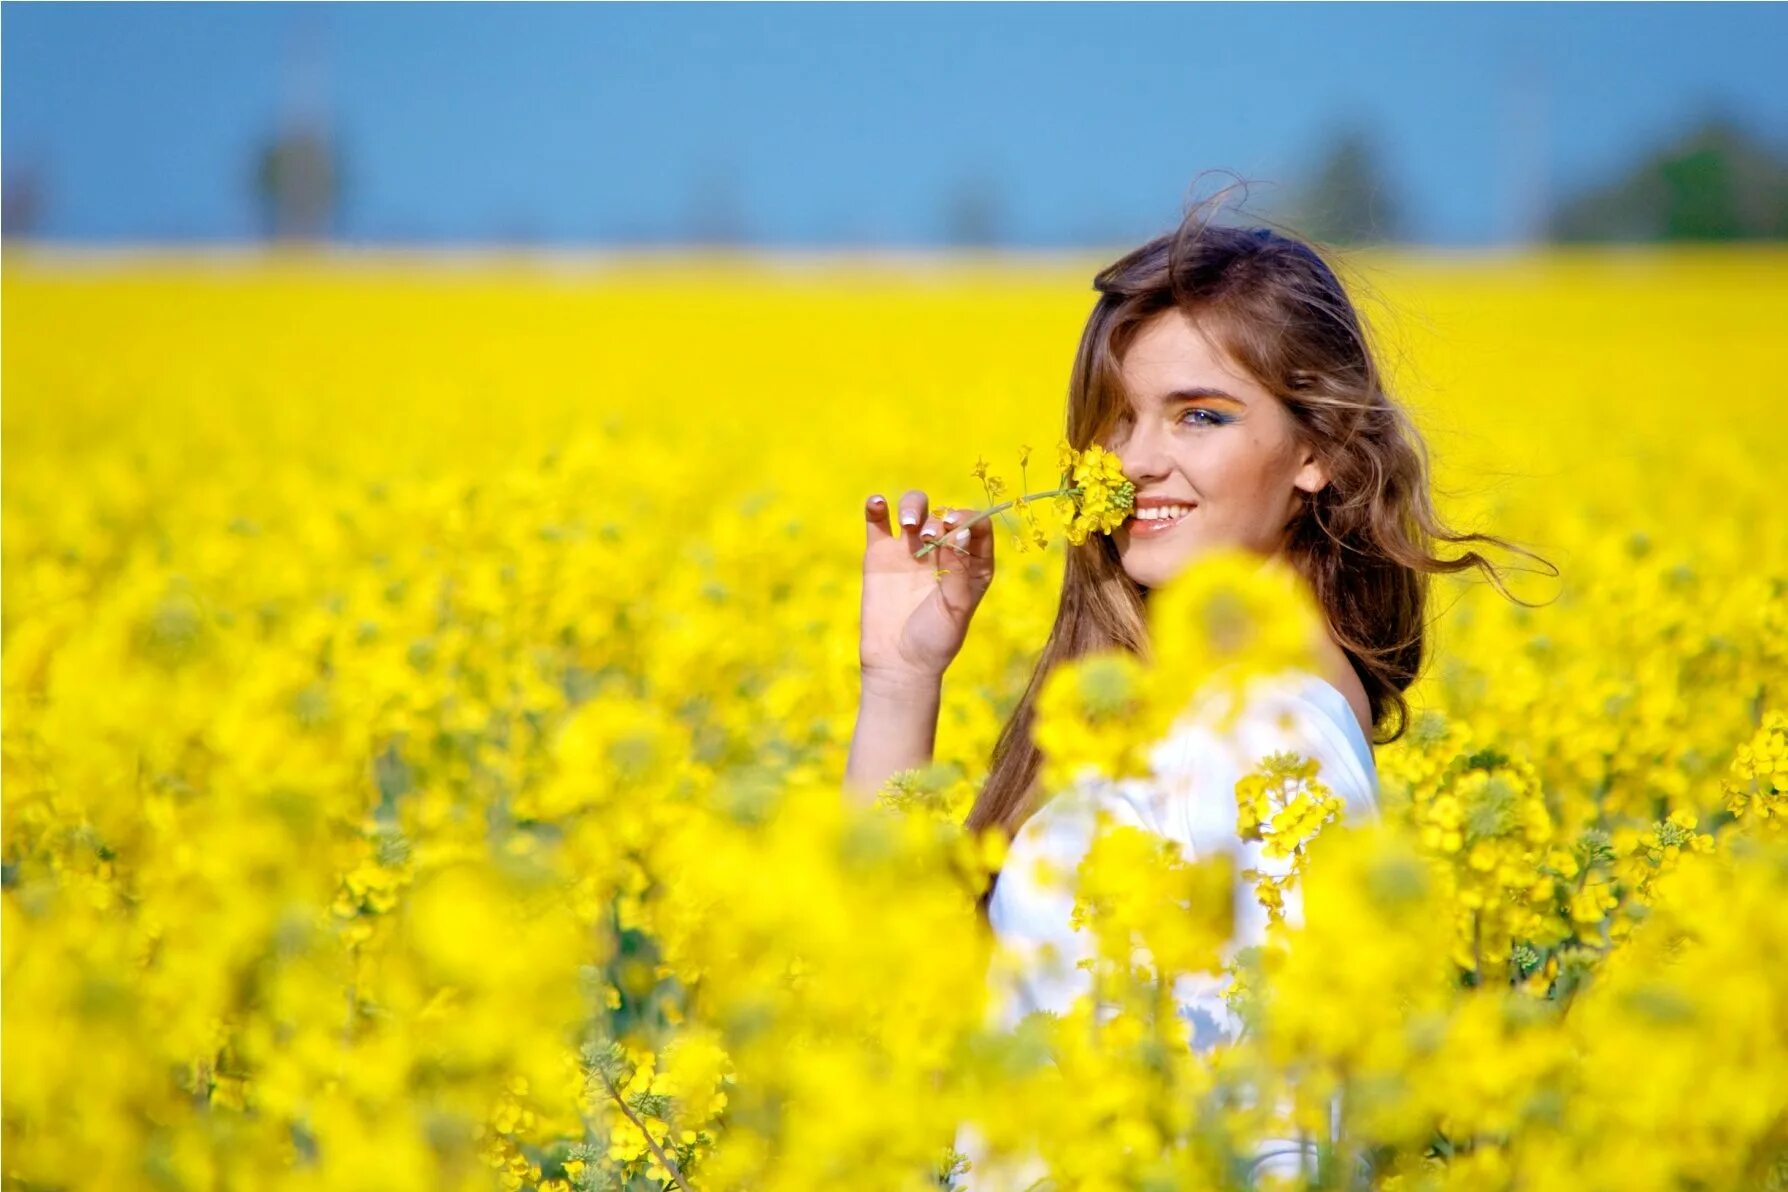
[
  {"x": 1092, "y": 712},
  {"x": 1099, "y": 496},
  {"x": 1095, "y": 496}
]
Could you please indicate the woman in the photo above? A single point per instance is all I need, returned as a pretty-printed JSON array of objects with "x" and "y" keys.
[{"x": 1230, "y": 373}]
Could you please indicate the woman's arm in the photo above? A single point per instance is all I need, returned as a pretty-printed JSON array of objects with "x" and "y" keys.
[
  {"x": 896, "y": 730},
  {"x": 915, "y": 617}
]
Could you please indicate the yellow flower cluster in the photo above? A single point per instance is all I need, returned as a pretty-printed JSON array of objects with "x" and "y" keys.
[
  {"x": 1092, "y": 719},
  {"x": 1136, "y": 892},
  {"x": 1283, "y": 806},
  {"x": 1101, "y": 497},
  {"x": 422, "y": 745},
  {"x": 1756, "y": 784},
  {"x": 1094, "y": 496},
  {"x": 1485, "y": 813}
]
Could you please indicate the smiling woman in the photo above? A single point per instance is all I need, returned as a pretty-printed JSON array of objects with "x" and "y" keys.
[
  {"x": 1229, "y": 372},
  {"x": 1230, "y": 375}
]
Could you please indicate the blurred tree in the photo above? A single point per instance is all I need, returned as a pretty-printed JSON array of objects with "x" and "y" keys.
[
  {"x": 22, "y": 198},
  {"x": 297, "y": 172},
  {"x": 972, "y": 214},
  {"x": 297, "y": 182},
  {"x": 1348, "y": 199},
  {"x": 717, "y": 207},
  {"x": 1716, "y": 183}
]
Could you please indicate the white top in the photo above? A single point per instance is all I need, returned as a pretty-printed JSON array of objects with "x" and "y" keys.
[{"x": 1189, "y": 797}]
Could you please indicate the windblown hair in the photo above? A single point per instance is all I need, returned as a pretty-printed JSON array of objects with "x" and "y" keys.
[{"x": 1363, "y": 542}]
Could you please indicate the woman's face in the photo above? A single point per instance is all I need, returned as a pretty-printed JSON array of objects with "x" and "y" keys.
[{"x": 1202, "y": 433}]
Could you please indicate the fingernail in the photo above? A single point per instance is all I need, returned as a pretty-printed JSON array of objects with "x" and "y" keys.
[
  {"x": 962, "y": 537},
  {"x": 908, "y": 520},
  {"x": 877, "y": 502}
]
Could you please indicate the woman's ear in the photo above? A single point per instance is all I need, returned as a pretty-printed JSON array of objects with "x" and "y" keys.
[{"x": 1312, "y": 476}]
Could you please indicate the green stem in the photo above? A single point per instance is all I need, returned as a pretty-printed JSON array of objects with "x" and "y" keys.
[
  {"x": 664, "y": 1159},
  {"x": 987, "y": 513}
]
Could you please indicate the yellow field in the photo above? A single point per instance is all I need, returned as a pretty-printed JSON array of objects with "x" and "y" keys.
[{"x": 426, "y": 690}]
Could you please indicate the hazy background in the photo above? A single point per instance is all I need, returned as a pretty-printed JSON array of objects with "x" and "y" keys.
[{"x": 862, "y": 125}]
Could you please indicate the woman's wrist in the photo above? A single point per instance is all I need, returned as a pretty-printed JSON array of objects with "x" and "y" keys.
[{"x": 900, "y": 684}]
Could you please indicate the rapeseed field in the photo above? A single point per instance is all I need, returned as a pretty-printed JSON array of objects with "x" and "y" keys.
[{"x": 427, "y": 686}]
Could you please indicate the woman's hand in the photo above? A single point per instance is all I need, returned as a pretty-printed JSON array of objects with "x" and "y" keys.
[{"x": 914, "y": 622}]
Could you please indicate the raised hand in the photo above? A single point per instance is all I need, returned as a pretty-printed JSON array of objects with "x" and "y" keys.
[{"x": 914, "y": 620}]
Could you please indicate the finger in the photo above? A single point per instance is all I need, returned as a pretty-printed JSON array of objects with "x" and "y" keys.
[
  {"x": 935, "y": 526},
  {"x": 875, "y": 514},
  {"x": 912, "y": 516},
  {"x": 944, "y": 520},
  {"x": 976, "y": 539},
  {"x": 954, "y": 584},
  {"x": 969, "y": 541}
]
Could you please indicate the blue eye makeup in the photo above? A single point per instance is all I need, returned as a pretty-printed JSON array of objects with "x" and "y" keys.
[{"x": 1212, "y": 418}]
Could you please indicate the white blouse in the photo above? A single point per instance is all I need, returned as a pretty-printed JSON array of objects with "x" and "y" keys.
[{"x": 1188, "y": 797}]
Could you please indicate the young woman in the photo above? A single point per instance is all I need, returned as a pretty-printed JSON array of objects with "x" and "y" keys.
[{"x": 1230, "y": 373}]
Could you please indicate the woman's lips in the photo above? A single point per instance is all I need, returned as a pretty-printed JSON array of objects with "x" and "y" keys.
[{"x": 1149, "y": 529}]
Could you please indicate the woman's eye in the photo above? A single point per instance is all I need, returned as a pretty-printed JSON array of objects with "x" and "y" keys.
[{"x": 1211, "y": 417}]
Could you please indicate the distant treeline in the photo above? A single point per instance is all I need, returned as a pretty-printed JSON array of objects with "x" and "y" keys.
[{"x": 1718, "y": 182}]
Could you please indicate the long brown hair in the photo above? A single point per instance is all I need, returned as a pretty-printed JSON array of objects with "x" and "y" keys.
[{"x": 1363, "y": 542}]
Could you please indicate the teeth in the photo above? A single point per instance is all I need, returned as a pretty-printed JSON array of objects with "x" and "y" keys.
[{"x": 1165, "y": 513}]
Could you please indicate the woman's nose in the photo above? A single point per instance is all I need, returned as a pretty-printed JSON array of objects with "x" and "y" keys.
[{"x": 1142, "y": 455}]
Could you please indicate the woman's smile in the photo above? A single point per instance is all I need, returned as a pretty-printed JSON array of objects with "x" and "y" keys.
[{"x": 1155, "y": 524}]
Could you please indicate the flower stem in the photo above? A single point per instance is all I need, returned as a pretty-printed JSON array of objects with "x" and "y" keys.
[
  {"x": 664, "y": 1159},
  {"x": 1001, "y": 507}
]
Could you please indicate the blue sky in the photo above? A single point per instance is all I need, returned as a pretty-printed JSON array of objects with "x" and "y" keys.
[{"x": 835, "y": 123}]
